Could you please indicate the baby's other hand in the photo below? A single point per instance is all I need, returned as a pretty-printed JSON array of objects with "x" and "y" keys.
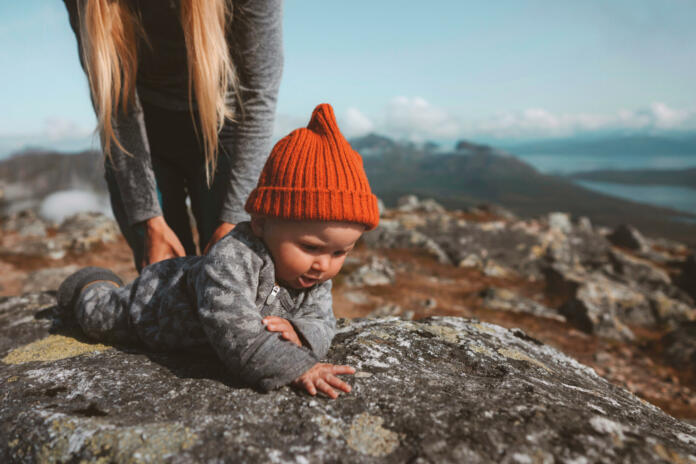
[
  {"x": 278, "y": 324},
  {"x": 322, "y": 377}
]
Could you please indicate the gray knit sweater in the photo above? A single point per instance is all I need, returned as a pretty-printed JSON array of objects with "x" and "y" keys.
[
  {"x": 255, "y": 43},
  {"x": 217, "y": 300}
]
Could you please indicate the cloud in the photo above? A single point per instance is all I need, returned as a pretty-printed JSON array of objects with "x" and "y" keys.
[
  {"x": 59, "y": 205},
  {"x": 56, "y": 128},
  {"x": 538, "y": 122},
  {"x": 354, "y": 123},
  {"x": 414, "y": 118},
  {"x": 285, "y": 123}
]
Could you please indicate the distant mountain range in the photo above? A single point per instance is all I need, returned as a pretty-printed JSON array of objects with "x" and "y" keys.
[
  {"x": 470, "y": 175},
  {"x": 476, "y": 173},
  {"x": 29, "y": 176}
]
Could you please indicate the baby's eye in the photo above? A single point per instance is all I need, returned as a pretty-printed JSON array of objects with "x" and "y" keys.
[
  {"x": 308, "y": 247},
  {"x": 340, "y": 253}
]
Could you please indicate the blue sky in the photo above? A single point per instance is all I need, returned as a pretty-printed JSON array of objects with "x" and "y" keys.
[{"x": 483, "y": 70}]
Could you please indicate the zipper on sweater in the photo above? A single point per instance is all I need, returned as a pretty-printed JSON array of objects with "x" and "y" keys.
[{"x": 272, "y": 296}]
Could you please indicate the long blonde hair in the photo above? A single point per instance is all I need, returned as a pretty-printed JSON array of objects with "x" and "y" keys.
[{"x": 109, "y": 33}]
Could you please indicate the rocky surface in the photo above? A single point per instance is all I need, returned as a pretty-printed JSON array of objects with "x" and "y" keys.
[
  {"x": 557, "y": 277},
  {"x": 439, "y": 389}
]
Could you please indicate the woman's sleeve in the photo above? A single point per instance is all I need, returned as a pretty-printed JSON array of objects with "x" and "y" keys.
[
  {"x": 133, "y": 172},
  {"x": 255, "y": 42}
]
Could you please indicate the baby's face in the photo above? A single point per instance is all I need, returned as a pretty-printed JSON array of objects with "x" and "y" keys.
[{"x": 306, "y": 252}]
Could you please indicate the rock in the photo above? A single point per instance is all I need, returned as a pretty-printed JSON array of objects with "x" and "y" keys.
[
  {"x": 687, "y": 278},
  {"x": 627, "y": 236},
  {"x": 670, "y": 312},
  {"x": 411, "y": 203},
  {"x": 47, "y": 279},
  {"x": 584, "y": 224},
  {"x": 502, "y": 299},
  {"x": 679, "y": 347},
  {"x": 84, "y": 230},
  {"x": 378, "y": 271},
  {"x": 438, "y": 390},
  {"x": 640, "y": 271},
  {"x": 560, "y": 222},
  {"x": 494, "y": 210},
  {"x": 26, "y": 223},
  {"x": 595, "y": 304},
  {"x": 391, "y": 310},
  {"x": 380, "y": 206},
  {"x": 472, "y": 244},
  {"x": 78, "y": 234},
  {"x": 391, "y": 234}
]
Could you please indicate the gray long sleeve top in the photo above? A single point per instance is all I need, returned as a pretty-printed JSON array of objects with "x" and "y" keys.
[
  {"x": 255, "y": 43},
  {"x": 220, "y": 300}
]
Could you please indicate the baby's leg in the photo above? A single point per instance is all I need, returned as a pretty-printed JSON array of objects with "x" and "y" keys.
[
  {"x": 97, "y": 299},
  {"x": 102, "y": 312}
]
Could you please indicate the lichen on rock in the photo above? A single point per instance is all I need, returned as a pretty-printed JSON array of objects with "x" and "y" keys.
[{"x": 442, "y": 389}]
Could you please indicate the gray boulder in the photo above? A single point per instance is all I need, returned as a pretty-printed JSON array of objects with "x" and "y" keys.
[
  {"x": 627, "y": 236},
  {"x": 437, "y": 390}
]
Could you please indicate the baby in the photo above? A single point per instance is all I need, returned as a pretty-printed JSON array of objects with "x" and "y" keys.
[{"x": 261, "y": 297}]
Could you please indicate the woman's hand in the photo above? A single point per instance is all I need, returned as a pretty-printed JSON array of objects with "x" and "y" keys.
[
  {"x": 220, "y": 232},
  {"x": 160, "y": 242},
  {"x": 322, "y": 377}
]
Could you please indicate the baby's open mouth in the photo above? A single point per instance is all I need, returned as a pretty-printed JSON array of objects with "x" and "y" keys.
[{"x": 307, "y": 281}]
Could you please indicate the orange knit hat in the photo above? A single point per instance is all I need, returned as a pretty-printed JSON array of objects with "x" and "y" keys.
[{"x": 313, "y": 174}]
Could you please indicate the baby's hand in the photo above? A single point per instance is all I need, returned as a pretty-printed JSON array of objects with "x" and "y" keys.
[
  {"x": 322, "y": 377},
  {"x": 278, "y": 324}
]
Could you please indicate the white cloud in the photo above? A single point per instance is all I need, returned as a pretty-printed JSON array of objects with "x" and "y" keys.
[
  {"x": 56, "y": 128},
  {"x": 285, "y": 123},
  {"x": 354, "y": 123},
  {"x": 414, "y": 118},
  {"x": 538, "y": 122},
  {"x": 59, "y": 205}
]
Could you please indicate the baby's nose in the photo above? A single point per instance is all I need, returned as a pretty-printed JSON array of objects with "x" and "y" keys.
[{"x": 321, "y": 263}]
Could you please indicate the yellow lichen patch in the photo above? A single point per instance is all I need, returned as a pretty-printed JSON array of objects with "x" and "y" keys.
[
  {"x": 484, "y": 328},
  {"x": 71, "y": 439},
  {"x": 14, "y": 378},
  {"x": 669, "y": 455},
  {"x": 444, "y": 332},
  {"x": 367, "y": 436},
  {"x": 518, "y": 355},
  {"x": 480, "y": 349},
  {"x": 52, "y": 348}
]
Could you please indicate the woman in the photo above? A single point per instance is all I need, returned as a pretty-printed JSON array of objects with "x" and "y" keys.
[{"x": 185, "y": 93}]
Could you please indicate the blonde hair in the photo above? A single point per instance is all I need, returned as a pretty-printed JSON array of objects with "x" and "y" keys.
[{"x": 109, "y": 33}]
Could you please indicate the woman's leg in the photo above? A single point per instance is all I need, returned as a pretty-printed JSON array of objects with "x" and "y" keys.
[
  {"x": 206, "y": 202},
  {"x": 172, "y": 142}
]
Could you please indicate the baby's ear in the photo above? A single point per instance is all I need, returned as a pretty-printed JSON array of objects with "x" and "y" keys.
[{"x": 257, "y": 225}]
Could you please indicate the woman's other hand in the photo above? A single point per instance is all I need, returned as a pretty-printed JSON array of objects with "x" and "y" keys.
[
  {"x": 220, "y": 232},
  {"x": 160, "y": 242}
]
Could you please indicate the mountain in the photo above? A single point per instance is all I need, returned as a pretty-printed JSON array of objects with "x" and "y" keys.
[
  {"x": 673, "y": 177},
  {"x": 471, "y": 175},
  {"x": 29, "y": 176},
  {"x": 481, "y": 174}
]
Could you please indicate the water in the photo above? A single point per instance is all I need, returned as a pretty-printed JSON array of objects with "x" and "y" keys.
[
  {"x": 679, "y": 198},
  {"x": 563, "y": 164}
]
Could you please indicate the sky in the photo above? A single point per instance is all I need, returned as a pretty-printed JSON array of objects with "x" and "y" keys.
[{"x": 485, "y": 71}]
